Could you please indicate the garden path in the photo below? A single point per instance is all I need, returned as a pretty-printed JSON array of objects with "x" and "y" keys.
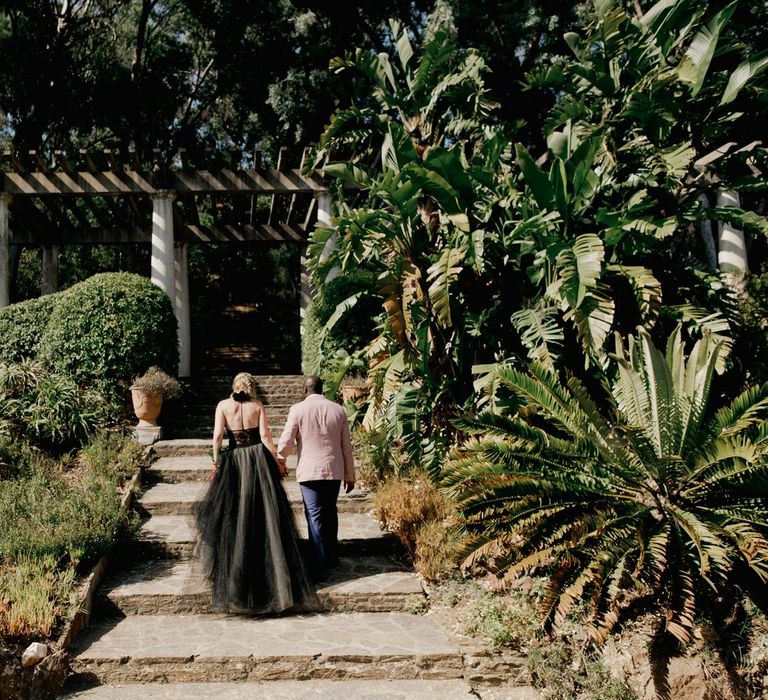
[{"x": 154, "y": 635}]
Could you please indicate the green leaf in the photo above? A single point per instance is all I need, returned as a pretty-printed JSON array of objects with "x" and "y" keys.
[
  {"x": 341, "y": 308},
  {"x": 741, "y": 218},
  {"x": 448, "y": 164},
  {"x": 442, "y": 275},
  {"x": 404, "y": 49},
  {"x": 536, "y": 179},
  {"x": 646, "y": 287},
  {"x": 540, "y": 333},
  {"x": 694, "y": 66},
  {"x": 745, "y": 72},
  {"x": 580, "y": 266}
]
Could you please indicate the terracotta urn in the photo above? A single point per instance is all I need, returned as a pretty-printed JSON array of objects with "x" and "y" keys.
[{"x": 146, "y": 407}]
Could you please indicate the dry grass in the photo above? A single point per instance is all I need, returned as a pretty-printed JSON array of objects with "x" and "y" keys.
[
  {"x": 34, "y": 595},
  {"x": 416, "y": 512}
]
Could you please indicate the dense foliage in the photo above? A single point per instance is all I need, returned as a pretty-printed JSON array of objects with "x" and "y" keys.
[
  {"x": 185, "y": 73},
  {"x": 635, "y": 482},
  {"x": 657, "y": 497},
  {"x": 22, "y": 326},
  {"x": 486, "y": 252},
  {"x": 109, "y": 328},
  {"x": 47, "y": 408}
]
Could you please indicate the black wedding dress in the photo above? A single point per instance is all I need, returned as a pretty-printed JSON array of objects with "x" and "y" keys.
[{"x": 247, "y": 542}]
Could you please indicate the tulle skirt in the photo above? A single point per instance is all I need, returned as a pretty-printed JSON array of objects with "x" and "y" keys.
[{"x": 247, "y": 544}]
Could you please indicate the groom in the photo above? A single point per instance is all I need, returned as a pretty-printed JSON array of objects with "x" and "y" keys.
[{"x": 319, "y": 427}]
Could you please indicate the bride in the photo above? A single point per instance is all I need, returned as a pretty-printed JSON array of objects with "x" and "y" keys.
[{"x": 247, "y": 539}]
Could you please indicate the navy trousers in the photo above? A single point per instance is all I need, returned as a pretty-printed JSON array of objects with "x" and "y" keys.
[{"x": 322, "y": 522}]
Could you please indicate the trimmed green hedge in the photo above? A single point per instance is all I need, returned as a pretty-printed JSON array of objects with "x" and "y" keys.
[
  {"x": 22, "y": 326},
  {"x": 311, "y": 350},
  {"x": 109, "y": 328}
]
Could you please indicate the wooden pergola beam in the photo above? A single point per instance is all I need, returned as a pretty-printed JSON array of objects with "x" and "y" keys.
[
  {"x": 110, "y": 183},
  {"x": 30, "y": 226}
]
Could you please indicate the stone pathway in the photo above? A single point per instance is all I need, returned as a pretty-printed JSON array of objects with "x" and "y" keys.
[{"x": 154, "y": 635}]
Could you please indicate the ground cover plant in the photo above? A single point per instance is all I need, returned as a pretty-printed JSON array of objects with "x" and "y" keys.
[{"x": 60, "y": 475}]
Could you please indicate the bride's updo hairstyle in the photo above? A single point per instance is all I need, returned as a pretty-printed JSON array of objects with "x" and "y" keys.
[{"x": 244, "y": 387}]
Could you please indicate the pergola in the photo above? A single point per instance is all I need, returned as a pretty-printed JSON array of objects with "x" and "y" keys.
[{"x": 100, "y": 198}]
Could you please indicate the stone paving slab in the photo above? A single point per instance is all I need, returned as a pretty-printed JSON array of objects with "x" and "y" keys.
[
  {"x": 287, "y": 690},
  {"x": 151, "y": 648},
  {"x": 180, "y": 498},
  {"x": 193, "y": 467},
  {"x": 359, "y": 534},
  {"x": 198, "y": 447},
  {"x": 367, "y": 584}
]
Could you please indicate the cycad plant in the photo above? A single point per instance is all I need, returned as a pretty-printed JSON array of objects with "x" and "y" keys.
[{"x": 643, "y": 495}]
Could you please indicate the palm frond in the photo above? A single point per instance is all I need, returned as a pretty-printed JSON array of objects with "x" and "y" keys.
[
  {"x": 442, "y": 275},
  {"x": 540, "y": 333}
]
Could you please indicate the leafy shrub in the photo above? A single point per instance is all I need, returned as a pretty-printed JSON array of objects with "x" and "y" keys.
[
  {"x": 437, "y": 550},
  {"x": 415, "y": 511},
  {"x": 751, "y": 346},
  {"x": 311, "y": 350},
  {"x": 657, "y": 499},
  {"x": 16, "y": 456},
  {"x": 113, "y": 456},
  {"x": 501, "y": 621},
  {"x": 46, "y": 408},
  {"x": 108, "y": 329},
  {"x": 355, "y": 329},
  {"x": 22, "y": 326},
  {"x": 323, "y": 352},
  {"x": 156, "y": 382},
  {"x": 43, "y": 515},
  {"x": 34, "y": 594},
  {"x": 379, "y": 456}
]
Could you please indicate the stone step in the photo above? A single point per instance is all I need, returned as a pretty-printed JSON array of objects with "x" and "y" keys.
[
  {"x": 174, "y": 535},
  {"x": 194, "y": 467},
  {"x": 195, "y": 446},
  {"x": 365, "y": 584},
  {"x": 314, "y": 689},
  {"x": 203, "y": 430},
  {"x": 207, "y": 410},
  {"x": 193, "y": 648},
  {"x": 180, "y": 498}
]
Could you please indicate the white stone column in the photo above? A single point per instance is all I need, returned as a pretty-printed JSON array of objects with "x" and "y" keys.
[
  {"x": 305, "y": 291},
  {"x": 325, "y": 218},
  {"x": 731, "y": 246},
  {"x": 50, "y": 277},
  {"x": 163, "y": 261},
  {"x": 5, "y": 250},
  {"x": 181, "y": 306}
]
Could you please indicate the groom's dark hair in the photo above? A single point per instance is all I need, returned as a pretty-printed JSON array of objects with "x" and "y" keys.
[{"x": 313, "y": 385}]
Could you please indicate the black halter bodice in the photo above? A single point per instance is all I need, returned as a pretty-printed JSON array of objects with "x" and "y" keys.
[{"x": 243, "y": 438}]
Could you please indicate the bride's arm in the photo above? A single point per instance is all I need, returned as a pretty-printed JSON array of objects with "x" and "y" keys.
[{"x": 218, "y": 434}]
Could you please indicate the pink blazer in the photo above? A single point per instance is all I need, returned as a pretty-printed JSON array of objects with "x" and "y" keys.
[{"x": 320, "y": 430}]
